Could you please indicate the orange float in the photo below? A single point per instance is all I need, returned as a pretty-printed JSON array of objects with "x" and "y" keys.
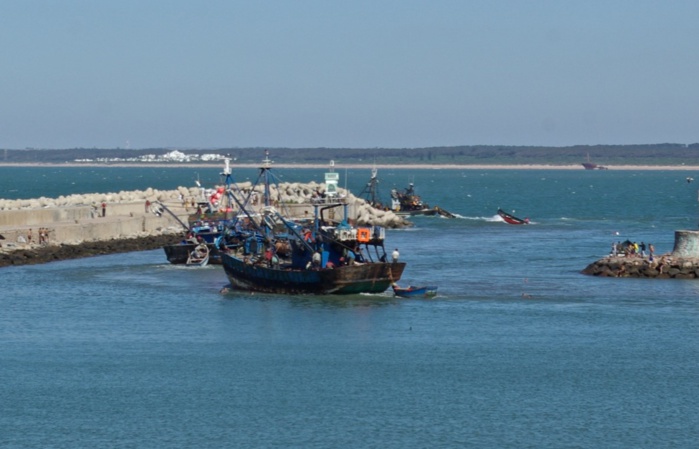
[{"x": 363, "y": 235}]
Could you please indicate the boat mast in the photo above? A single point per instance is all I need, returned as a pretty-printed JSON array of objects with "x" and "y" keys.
[
  {"x": 266, "y": 166},
  {"x": 371, "y": 191}
]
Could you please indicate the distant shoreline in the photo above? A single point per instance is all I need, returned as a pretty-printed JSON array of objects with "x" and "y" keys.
[{"x": 370, "y": 166}]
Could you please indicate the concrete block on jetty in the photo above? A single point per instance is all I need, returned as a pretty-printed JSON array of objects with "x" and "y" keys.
[{"x": 681, "y": 263}]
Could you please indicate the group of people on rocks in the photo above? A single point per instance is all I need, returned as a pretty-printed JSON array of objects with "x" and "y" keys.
[{"x": 633, "y": 249}]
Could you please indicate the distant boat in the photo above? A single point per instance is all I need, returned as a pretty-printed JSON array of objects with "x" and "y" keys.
[
  {"x": 511, "y": 219},
  {"x": 415, "y": 292},
  {"x": 403, "y": 203},
  {"x": 591, "y": 165}
]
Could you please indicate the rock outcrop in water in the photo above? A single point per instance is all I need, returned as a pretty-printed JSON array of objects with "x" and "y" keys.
[{"x": 681, "y": 263}]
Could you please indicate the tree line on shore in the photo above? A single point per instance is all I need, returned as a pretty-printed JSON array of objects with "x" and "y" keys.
[{"x": 642, "y": 154}]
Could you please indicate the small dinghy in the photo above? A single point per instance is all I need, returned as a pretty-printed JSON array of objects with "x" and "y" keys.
[
  {"x": 415, "y": 292},
  {"x": 199, "y": 256},
  {"x": 511, "y": 219}
]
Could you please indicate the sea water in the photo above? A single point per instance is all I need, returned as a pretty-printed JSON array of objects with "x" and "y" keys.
[{"x": 518, "y": 349}]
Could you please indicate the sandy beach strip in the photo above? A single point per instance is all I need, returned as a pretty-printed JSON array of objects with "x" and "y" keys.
[{"x": 339, "y": 165}]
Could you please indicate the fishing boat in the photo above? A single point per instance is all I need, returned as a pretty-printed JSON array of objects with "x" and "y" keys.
[
  {"x": 588, "y": 165},
  {"x": 205, "y": 228},
  {"x": 511, "y": 219},
  {"x": 407, "y": 202},
  {"x": 206, "y": 225},
  {"x": 414, "y": 292},
  {"x": 199, "y": 257},
  {"x": 267, "y": 252},
  {"x": 403, "y": 203}
]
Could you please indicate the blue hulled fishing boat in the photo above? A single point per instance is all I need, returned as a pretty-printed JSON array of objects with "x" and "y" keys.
[{"x": 269, "y": 253}]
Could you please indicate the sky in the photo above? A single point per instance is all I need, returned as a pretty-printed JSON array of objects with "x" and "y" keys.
[{"x": 358, "y": 74}]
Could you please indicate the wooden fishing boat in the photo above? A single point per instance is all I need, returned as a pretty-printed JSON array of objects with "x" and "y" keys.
[
  {"x": 274, "y": 254},
  {"x": 403, "y": 203},
  {"x": 428, "y": 291},
  {"x": 511, "y": 219},
  {"x": 213, "y": 215}
]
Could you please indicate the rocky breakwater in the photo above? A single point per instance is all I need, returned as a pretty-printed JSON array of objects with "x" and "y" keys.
[
  {"x": 47, "y": 229},
  {"x": 299, "y": 198},
  {"x": 681, "y": 263}
]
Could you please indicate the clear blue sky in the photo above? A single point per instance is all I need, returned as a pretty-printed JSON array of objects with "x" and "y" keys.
[{"x": 312, "y": 73}]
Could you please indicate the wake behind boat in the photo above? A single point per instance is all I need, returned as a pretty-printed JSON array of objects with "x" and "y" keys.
[{"x": 511, "y": 219}]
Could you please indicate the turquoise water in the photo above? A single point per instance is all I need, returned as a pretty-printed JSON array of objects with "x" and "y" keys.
[{"x": 128, "y": 351}]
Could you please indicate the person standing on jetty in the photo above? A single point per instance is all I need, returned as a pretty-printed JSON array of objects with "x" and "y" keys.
[{"x": 104, "y": 209}]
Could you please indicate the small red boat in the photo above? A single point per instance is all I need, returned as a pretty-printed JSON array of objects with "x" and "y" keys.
[{"x": 511, "y": 219}]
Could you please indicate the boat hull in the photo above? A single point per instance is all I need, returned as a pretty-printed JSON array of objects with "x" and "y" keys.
[
  {"x": 179, "y": 253},
  {"x": 345, "y": 280},
  {"x": 415, "y": 292},
  {"x": 431, "y": 212},
  {"x": 511, "y": 219},
  {"x": 591, "y": 166}
]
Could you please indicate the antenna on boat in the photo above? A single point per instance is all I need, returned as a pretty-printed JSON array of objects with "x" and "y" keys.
[{"x": 266, "y": 162}]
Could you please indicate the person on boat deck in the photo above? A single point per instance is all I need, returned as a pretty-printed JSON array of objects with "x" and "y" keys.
[
  {"x": 357, "y": 251},
  {"x": 347, "y": 257},
  {"x": 316, "y": 259},
  {"x": 394, "y": 255}
]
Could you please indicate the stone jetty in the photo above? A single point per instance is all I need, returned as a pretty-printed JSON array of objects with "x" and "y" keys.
[
  {"x": 45, "y": 229},
  {"x": 681, "y": 263}
]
